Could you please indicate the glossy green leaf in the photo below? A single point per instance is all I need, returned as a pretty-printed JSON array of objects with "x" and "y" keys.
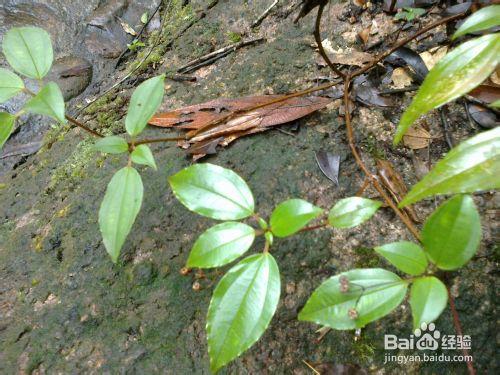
[
  {"x": 221, "y": 244},
  {"x": 10, "y": 84},
  {"x": 29, "y": 51},
  {"x": 453, "y": 76},
  {"x": 292, "y": 215},
  {"x": 49, "y": 101},
  {"x": 241, "y": 308},
  {"x": 372, "y": 293},
  {"x": 119, "y": 208},
  {"x": 349, "y": 212},
  {"x": 405, "y": 256},
  {"x": 451, "y": 235},
  {"x": 111, "y": 145},
  {"x": 142, "y": 155},
  {"x": 7, "y": 122},
  {"x": 428, "y": 298},
  {"x": 213, "y": 191},
  {"x": 483, "y": 19},
  {"x": 471, "y": 166},
  {"x": 144, "y": 102}
]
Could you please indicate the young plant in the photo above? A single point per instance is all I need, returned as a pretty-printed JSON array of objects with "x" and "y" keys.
[
  {"x": 29, "y": 52},
  {"x": 352, "y": 299},
  {"x": 409, "y": 14},
  {"x": 245, "y": 300},
  {"x": 459, "y": 71}
]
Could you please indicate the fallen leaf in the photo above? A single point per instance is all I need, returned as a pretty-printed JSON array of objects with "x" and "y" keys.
[
  {"x": 432, "y": 57},
  {"x": 486, "y": 93},
  {"x": 400, "y": 78},
  {"x": 344, "y": 57},
  {"x": 364, "y": 34},
  {"x": 127, "y": 28},
  {"x": 416, "y": 138},
  {"x": 484, "y": 117},
  {"x": 367, "y": 94},
  {"x": 406, "y": 56},
  {"x": 394, "y": 184},
  {"x": 495, "y": 77},
  {"x": 329, "y": 165},
  {"x": 229, "y": 119}
]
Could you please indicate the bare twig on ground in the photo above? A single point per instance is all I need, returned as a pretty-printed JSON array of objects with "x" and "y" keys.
[
  {"x": 263, "y": 16},
  {"x": 215, "y": 55}
]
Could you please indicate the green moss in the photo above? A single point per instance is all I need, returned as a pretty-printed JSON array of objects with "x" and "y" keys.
[
  {"x": 367, "y": 258},
  {"x": 371, "y": 146},
  {"x": 73, "y": 169},
  {"x": 363, "y": 350},
  {"x": 233, "y": 37}
]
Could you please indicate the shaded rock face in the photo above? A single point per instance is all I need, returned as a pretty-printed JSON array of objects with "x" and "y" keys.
[
  {"x": 86, "y": 37},
  {"x": 66, "y": 308}
]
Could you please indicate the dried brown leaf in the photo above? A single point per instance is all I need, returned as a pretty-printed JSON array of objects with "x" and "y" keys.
[
  {"x": 225, "y": 120},
  {"x": 395, "y": 185},
  {"x": 416, "y": 138}
]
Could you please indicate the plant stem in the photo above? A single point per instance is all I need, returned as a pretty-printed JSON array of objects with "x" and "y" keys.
[
  {"x": 373, "y": 180},
  {"x": 317, "y": 36},
  {"x": 71, "y": 119}
]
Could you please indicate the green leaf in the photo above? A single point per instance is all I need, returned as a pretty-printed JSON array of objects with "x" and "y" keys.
[
  {"x": 119, "y": 208},
  {"x": 469, "y": 167},
  {"x": 111, "y": 145},
  {"x": 142, "y": 155},
  {"x": 7, "y": 122},
  {"x": 144, "y": 17},
  {"x": 483, "y": 19},
  {"x": 428, "y": 298},
  {"x": 453, "y": 76},
  {"x": 451, "y": 235},
  {"x": 49, "y": 101},
  {"x": 221, "y": 244},
  {"x": 213, "y": 191},
  {"x": 405, "y": 256},
  {"x": 29, "y": 51},
  {"x": 495, "y": 104},
  {"x": 144, "y": 102},
  {"x": 10, "y": 84},
  {"x": 349, "y": 212},
  {"x": 292, "y": 215},
  {"x": 372, "y": 293},
  {"x": 241, "y": 308}
]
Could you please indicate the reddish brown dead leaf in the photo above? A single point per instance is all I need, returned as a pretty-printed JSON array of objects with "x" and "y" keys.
[
  {"x": 486, "y": 93},
  {"x": 394, "y": 183},
  {"x": 225, "y": 120}
]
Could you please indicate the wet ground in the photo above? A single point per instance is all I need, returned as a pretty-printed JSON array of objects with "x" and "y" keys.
[{"x": 66, "y": 308}]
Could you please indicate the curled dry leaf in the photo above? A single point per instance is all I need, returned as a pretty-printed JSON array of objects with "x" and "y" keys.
[
  {"x": 416, "y": 138},
  {"x": 394, "y": 184},
  {"x": 225, "y": 120}
]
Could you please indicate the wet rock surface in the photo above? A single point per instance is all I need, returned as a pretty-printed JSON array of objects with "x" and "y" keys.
[
  {"x": 66, "y": 308},
  {"x": 87, "y": 36}
]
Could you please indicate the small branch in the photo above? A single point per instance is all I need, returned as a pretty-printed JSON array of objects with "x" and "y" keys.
[
  {"x": 317, "y": 36},
  {"x": 214, "y": 56},
  {"x": 261, "y": 18},
  {"x": 314, "y": 227},
  {"x": 84, "y": 127},
  {"x": 71, "y": 119}
]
